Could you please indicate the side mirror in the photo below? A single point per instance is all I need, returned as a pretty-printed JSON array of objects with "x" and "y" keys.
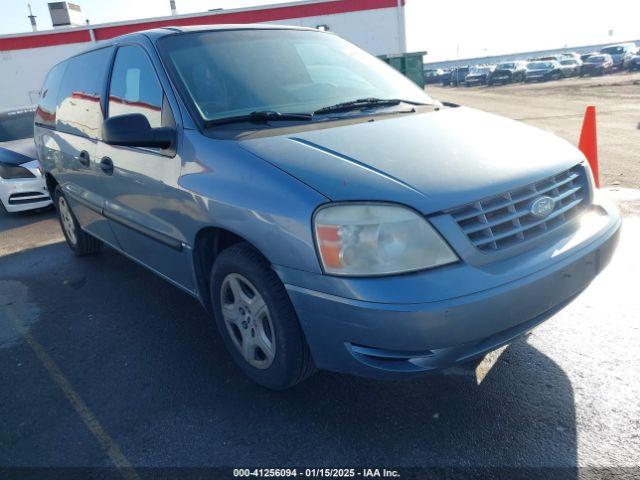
[{"x": 133, "y": 130}]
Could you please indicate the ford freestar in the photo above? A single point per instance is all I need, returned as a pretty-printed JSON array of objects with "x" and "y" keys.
[{"x": 324, "y": 209}]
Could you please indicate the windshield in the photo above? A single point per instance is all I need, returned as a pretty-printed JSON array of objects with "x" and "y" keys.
[
  {"x": 232, "y": 73},
  {"x": 596, "y": 59},
  {"x": 16, "y": 124},
  {"x": 568, "y": 62},
  {"x": 480, "y": 70},
  {"x": 540, "y": 65},
  {"x": 613, "y": 50},
  {"x": 507, "y": 66}
]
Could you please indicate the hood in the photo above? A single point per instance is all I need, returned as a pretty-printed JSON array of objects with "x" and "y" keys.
[
  {"x": 539, "y": 70},
  {"x": 17, "y": 152},
  {"x": 431, "y": 161}
]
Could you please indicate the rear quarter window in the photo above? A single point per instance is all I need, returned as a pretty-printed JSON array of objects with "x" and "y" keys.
[
  {"x": 79, "y": 106},
  {"x": 46, "y": 111}
]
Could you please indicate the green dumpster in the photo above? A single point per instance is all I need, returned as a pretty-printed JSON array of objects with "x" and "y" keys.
[{"x": 409, "y": 64}]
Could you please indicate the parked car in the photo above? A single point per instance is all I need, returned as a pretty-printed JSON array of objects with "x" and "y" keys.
[
  {"x": 634, "y": 63},
  {"x": 433, "y": 75},
  {"x": 543, "y": 71},
  {"x": 547, "y": 58},
  {"x": 302, "y": 210},
  {"x": 478, "y": 76},
  {"x": 569, "y": 55},
  {"x": 455, "y": 76},
  {"x": 509, "y": 72},
  {"x": 597, "y": 65},
  {"x": 620, "y": 54},
  {"x": 21, "y": 184},
  {"x": 570, "y": 67},
  {"x": 584, "y": 56}
]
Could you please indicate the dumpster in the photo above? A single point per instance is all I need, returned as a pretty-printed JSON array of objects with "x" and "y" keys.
[{"x": 409, "y": 64}]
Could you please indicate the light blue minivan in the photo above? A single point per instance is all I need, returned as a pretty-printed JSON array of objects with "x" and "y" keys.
[{"x": 325, "y": 210}]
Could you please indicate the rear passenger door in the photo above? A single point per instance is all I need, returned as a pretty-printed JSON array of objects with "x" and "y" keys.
[
  {"x": 145, "y": 205},
  {"x": 78, "y": 125}
]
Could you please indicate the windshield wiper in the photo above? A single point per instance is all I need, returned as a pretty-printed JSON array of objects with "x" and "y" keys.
[
  {"x": 262, "y": 116},
  {"x": 362, "y": 103}
]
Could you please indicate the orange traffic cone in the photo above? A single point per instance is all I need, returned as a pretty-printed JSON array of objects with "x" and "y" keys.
[{"x": 589, "y": 142}]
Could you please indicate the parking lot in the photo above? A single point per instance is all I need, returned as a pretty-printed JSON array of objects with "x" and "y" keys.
[{"x": 105, "y": 365}]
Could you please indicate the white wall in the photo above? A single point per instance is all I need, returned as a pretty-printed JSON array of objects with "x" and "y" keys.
[
  {"x": 22, "y": 71},
  {"x": 376, "y": 31}
]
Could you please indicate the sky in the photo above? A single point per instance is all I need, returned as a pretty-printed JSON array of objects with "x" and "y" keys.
[{"x": 446, "y": 29}]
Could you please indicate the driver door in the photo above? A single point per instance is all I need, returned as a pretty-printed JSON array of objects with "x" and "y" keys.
[{"x": 144, "y": 202}]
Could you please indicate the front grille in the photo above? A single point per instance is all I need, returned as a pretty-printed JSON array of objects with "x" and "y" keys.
[
  {"x": 27, "y": 197},
  {"x": 504, "y": 220}
]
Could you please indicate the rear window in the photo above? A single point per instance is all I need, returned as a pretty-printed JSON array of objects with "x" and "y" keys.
[
  {"x": 79, "y": 109},
  {"x": 540, "y": 65},
  {"x": 46, "y": 111},
  {"x": 613, "y": 50},
  {"x": 16, "y": 124}
]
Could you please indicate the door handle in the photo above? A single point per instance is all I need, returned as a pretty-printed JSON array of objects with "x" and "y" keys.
[
  {"x": 106, "y": 165},
  {"x": 83, "y": 158}
]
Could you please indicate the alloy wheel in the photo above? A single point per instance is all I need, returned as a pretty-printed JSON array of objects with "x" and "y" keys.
[
  {"x": 248, "y": 321},
  {"x": 67, "y": 220}
]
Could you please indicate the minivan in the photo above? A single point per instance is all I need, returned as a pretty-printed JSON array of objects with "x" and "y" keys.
[
  {"x": 620, "y": 54},
  {"x": 327, "y": 212}
]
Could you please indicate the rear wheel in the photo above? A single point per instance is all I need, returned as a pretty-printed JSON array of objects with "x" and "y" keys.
[
  {"x": 256, "y": 319},
  {"x": 78, "y": 240}
]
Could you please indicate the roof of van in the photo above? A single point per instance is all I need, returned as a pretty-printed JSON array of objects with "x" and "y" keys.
[{"x": 156, "y": 33}]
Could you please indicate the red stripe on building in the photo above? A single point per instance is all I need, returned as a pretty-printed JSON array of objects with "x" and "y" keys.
[
  {"x": 44, "y": 40},
  {"x": 259, "y": 15}
]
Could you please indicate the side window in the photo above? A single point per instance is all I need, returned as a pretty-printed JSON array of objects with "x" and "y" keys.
[
  {"x": 134, "y": 86},
  {"x": 46, "y": 111},
  {"x": 79, "y": 109}
]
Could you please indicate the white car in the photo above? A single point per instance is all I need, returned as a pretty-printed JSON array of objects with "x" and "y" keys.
[{"x": 22, "y": 186}]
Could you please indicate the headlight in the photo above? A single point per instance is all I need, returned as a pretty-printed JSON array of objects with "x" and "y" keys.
[
  {"x": 377, "y": 239},
  {"x": 13, "y": 171}
]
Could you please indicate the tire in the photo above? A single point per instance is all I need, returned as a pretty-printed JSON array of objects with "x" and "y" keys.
[
  {"x": 79, "y": 241},
  {"x": 283, "y": 359}
]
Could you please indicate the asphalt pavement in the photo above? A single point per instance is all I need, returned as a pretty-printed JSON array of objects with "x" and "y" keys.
[{"x": 103, "y": 364}]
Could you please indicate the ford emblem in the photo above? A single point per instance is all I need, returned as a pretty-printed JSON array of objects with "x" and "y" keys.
[{"x": 542, "y": 206}]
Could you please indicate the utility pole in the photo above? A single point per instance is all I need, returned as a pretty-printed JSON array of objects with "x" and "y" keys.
[
  {"x": 32, "y": 18},
  {"x": 402, "y": 32}
]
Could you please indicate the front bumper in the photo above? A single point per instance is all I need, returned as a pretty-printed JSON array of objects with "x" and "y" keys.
[
  {"x": 475, "y": 80},
  {"x": 541, "y": 77},
  {"x": 21, "y": 194},
  {"x": 383, "y": 338}
]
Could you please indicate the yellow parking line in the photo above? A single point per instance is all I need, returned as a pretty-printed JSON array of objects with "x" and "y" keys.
[{"x": 106, "y": 442}]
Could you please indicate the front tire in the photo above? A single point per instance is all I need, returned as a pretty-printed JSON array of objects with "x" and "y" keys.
[
  {"x": 78, "y": 240},
  {"x": 256, "y": 319}
]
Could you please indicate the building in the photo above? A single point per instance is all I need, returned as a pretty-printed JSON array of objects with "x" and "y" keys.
[{"x": 377, "y": 26}]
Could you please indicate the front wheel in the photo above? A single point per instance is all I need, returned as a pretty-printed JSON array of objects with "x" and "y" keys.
[
  {"x": 256, "y": 319},
  {"x": 78, "y": 240}
]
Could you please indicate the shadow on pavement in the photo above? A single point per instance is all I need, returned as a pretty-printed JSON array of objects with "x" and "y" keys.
[
  {"x": 147, "y": 361},
  {"x": 9, "y": 221}
]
